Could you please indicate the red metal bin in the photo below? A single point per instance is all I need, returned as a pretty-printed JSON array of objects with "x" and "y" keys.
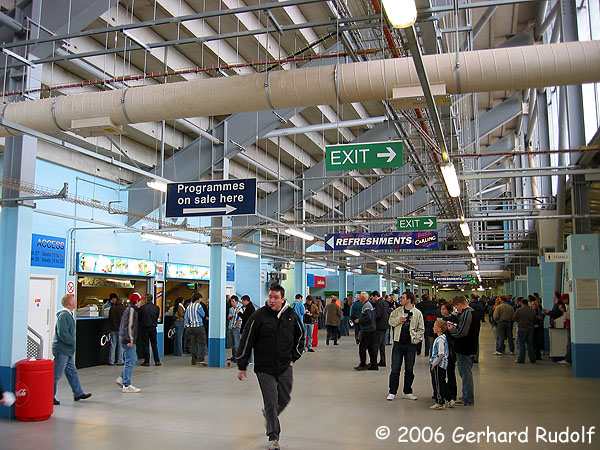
[{"x": 34, "y": 389}]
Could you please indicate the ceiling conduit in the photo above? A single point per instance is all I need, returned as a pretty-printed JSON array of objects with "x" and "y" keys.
[{"x": 479, "y": 71}]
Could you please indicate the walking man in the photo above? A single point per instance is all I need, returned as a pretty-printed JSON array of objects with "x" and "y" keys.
[
  {"x": 503, "y": 316},
  {"x": 409, "y": 328},
  {"x": 114, "y": 320},
  {"x": 276, "y": 335},
  {"x": 194, "y": 323},
  {"x": 465, "y": 336},
  {"x": 149, "y": 313},
  {"x": 128, "y": 334},
  {"x": 63, "y": 349},
  {"x": 526, "y": 319}
]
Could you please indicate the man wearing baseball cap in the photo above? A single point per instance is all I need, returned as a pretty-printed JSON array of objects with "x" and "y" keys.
[{"x": 128, "y": 333}]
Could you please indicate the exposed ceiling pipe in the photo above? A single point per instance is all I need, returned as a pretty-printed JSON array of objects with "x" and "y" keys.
[
  {"x": 325, "y": 126},
  {"x": 479, "y": 71}
]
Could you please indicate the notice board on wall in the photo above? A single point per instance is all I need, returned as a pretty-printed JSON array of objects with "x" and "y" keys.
[{"x": 586, "y": 293}]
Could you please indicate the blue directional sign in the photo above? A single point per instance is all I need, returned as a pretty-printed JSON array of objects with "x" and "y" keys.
[
  {"x": 212, "y": 198},
  {"x": 392, "y": 240}
]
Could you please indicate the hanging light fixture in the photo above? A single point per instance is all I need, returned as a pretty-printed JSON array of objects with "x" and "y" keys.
[
  {"x": 451, "y": 179},
  {"x": 381, "y": 262},
  {"x": 399, "y": 268},
  {"x": 471, "y": 250},
  {"x": 157, "y": 185},
  {"x": 401, "y": 14},
  {"x": 352, "y": 252},
  {"x": 246, "y": 254},
  {"x": 474, "y": 260},
  {"x": 299, "y": 233},
  {"x": 464, "y": 227}
]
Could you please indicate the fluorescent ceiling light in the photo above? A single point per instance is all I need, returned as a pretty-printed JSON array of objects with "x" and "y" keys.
[
  {"x": 471, "y": 250},
  {"x": 480, "y": 288},
  {"x": 329, "y": 269},
  {"x": 246, "y": 254},
  {"x": 477, "y": 272},
  {"x": 401, "y": 269},
  {"x": 474, "y": 260},
  {"x": 464, "y": 227},
  {"x": 401, "y": 14},
  {"x": 352, "y": 252},
  {"x": 451, "y": 179},
  {"x": 160, "y": 238},
  {"x": 299, "y": 233},
  {"x": 157, "y": 185},
  {"x": 381, "y": 262},
  {"x": 476, "y": 267}
]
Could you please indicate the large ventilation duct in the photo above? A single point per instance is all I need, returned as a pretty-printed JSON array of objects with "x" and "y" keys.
[{"x": 477, "y": 71}]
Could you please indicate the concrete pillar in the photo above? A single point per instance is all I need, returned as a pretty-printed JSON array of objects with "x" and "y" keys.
[
  {"x": 248, "y": 270},
  {"x": 216, "y": 307},
  {"x": 584, "y": 265},
  {"x": 343, "y": 282},
  {"x": 299, "y": 281},
  {"x": 548, "y": 282}
]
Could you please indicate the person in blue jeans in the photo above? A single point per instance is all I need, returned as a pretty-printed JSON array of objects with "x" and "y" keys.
[
  {"x": 179, "y": 313},
  {"x": 466, "y": 335},
  {"x": 63, "y": 349},
  {"x": 114, "y": 321},
  {"x": 128, "y": 334}
]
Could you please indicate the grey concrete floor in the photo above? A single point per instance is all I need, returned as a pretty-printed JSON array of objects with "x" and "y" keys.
[{"x": 333, "y": 407}]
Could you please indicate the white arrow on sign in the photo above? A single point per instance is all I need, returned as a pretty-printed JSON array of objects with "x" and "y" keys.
[
  {"x": 331, "y": 241},
  {"x": 227, "y": 210},
  {"x": 428, "y": 222},
  {"x": 390, "y": 154}
]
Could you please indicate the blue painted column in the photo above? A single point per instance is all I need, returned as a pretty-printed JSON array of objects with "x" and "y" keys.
[
  {"x": 248, "y": 270},
  {"x": 534, "y": 282},
  {"x": 548, "y": 280},
  {"x": 299, "y": 281},
  {"x": 15, "y": 258},
  {"x": 584, "y": 265},
  {"x": 216, "y": 307},
  {"x": 343, "y": 282}
]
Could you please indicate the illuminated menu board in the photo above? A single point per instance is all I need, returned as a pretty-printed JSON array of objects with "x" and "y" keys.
[
  {"x": 188, "y": 272},
  {"x": 114, "y": 265}
]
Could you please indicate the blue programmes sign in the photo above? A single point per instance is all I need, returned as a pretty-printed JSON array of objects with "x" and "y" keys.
[
  {"x": 392, "y": 240},
  {"x": 230, "y": 275},
  {"x": 212, "y": 198},
  {"x": 47, "y": 251}
]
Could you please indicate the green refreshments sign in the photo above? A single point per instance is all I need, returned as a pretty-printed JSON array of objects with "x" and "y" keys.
[
  {"x": 416, "y": 223},
  {"x": 372, "y": 155}
]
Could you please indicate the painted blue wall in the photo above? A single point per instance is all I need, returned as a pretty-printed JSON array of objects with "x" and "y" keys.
[
  {"x": 584, "y": 263},
  {"x": 534, "y": 282}
]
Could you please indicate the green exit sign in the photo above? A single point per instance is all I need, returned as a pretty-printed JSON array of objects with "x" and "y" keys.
[
  {"x": 372, "y": 155},
  {"x": 416, "y": 223}
]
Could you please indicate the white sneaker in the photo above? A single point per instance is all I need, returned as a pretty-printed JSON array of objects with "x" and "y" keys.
[
  {"x": 498, "y": 353},
  {"x": 562, "y": 362},
  {"x": 391, "y": 397},
  {"x": 119, "y": 381},
  {"x": 451, "y": 404},
  {"x": 273, "y": 445},
  {"x": 131, "y": 389},
  {"x": 410, "y": 396},
  {"x": 437, "y": 406}
]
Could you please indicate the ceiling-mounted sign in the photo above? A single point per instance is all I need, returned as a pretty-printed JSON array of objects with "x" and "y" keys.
[
  {"x": 455, "y": 279},
  {"x": 371, "y": 155},
  {"x": 212, "y": 198},
  {"x": 556, "y": 257},
  {"x": 47, "y": 251},
  {"x": 416, "y": 223},
  {"x": 420, "y": 275},
  {"x": 391, "y": 240}
]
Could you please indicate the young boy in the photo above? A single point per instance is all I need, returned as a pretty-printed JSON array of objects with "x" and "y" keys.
[{"x": 438, "y": 362}]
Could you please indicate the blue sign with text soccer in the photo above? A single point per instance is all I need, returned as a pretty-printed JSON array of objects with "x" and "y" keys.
[
  {"x": 392, "y": 240},
  {"x": 212, "y": 198}
]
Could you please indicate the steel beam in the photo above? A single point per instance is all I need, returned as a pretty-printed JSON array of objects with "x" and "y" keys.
[{"x": 494, "y": 118}]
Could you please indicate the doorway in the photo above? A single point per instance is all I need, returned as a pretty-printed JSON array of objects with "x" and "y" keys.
[{"x": 41, "y": 310}]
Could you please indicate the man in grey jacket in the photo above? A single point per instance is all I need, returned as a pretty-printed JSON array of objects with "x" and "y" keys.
[{"x": 63, "y": 349}]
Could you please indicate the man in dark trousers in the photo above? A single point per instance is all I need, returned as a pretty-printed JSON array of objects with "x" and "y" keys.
[
  {"x": 368, "y": 335},
  {"x": 276, "y": 336},
  {"x": 382, "y": 314},
  {"x": 149, "y": 314},
  {"x": 429, "y": 310},
  {"x": 249, "y": 309}
]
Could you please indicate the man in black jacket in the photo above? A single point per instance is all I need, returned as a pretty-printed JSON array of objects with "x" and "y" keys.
[
  {"x": 249, "y": 309},
  {"x": 149, "y": 314},
  {"x": 465, "y": 335},
  {"x": 382, "y": 314},
  {"x": 276, "y": 336}
]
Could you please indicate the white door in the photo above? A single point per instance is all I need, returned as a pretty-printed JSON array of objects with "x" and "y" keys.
[{"x": 40, "y": 317}]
